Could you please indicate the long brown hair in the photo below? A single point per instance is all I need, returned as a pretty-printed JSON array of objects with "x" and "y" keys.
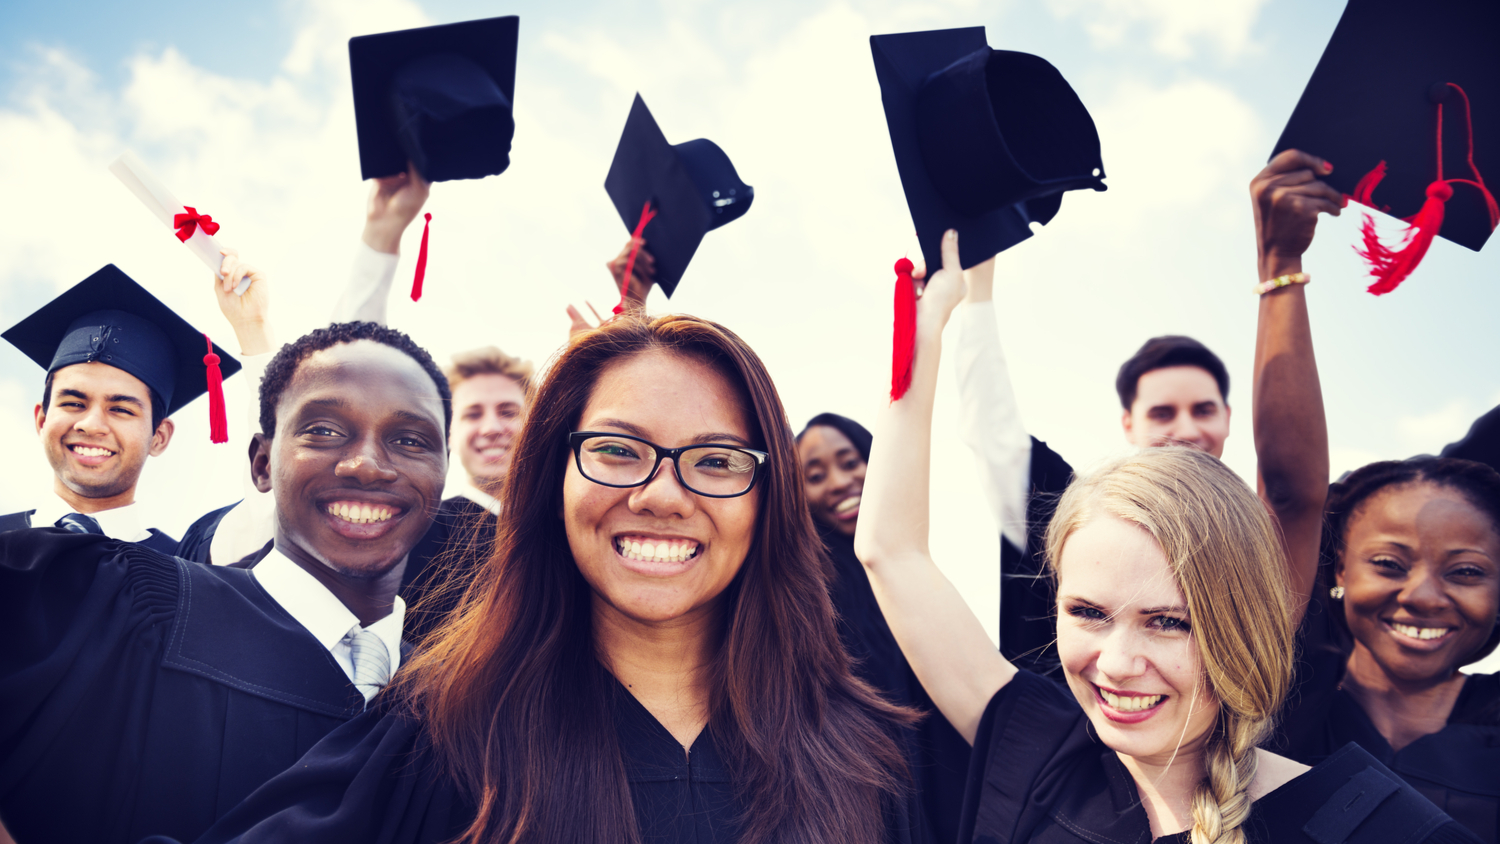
[
  {"x": 1226, "y": 555},
  {"x": 518, "y": 707}
]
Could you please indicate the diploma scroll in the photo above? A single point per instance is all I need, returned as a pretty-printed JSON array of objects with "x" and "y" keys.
[{"x": 160, "y": 201}]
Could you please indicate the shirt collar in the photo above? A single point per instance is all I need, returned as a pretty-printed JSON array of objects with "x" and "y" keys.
[
  {"x": 314, "y": 607},
  {"x": 480, "y": 497},
  {"x": 123, "y": 523}
]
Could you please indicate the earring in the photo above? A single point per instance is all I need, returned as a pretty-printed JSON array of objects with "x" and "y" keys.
[{"x": 1336, "y": 593}]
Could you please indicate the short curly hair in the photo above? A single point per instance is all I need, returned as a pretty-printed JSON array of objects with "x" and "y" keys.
[{"x": 284, "y": 365}]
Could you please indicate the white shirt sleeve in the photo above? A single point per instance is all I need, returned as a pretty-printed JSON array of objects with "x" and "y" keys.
[
  {"x": 989, "y": 421},
  {"x": 250, "y": 525},
  {"x": 369, "y": 289}
]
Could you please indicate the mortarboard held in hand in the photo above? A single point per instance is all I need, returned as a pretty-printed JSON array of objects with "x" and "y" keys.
[
  {"x": 671, "y": 194},
  {"x": 1406, "y": 102},
  {"x": 439, "y": 97},
  {"x": 108, "y": 318},
  {"x": 986, "y": 142},
  {"x": 193, "y": 228}
]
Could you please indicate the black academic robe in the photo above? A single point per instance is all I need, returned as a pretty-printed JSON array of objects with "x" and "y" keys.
[
  {"x": 1457, "y": 768},
  {"x": 156, "y": 540},
  {"x": 1481, "y": 444},
  {"x": 1039, "y": 775},
  {"x": 460, "y": 539},
  {"x": 937, "y": 754},
  {"x": 141, "y": 693},
  {"x": 376, "y": 779},
  {"x": 1028, "y": 607}
]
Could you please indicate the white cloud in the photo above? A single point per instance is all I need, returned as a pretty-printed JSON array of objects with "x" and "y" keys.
[{"x": 1176, "y": 29}]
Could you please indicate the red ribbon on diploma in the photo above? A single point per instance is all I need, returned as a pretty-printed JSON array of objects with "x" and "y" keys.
[{"x": 188, "y": 223}]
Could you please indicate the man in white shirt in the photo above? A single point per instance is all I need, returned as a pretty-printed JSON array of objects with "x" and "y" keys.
[{"x": 147, "y": 694}]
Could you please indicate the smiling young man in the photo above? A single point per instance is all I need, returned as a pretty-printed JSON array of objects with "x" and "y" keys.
[
  {"x": 119, "y": 362},
  {"x": 142, "y": 694}
]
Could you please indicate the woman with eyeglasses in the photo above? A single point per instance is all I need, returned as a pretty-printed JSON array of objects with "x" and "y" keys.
[{"x": 650, "y": 655}]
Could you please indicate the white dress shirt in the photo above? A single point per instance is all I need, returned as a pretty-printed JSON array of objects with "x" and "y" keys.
[
  {"x": 314, "y": 607},
  {"x": 990, "y": 421},
  {"x": 369, "y": 291},
  {"x": 480, "y": 497},
  {"x": 123, "y": 523}
]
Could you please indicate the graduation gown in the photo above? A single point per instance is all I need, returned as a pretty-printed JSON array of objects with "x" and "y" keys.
[
  {"x": 156, "y": 541},
  {"x": 1039, "y": 775},
  {"x": 937, "y": 754},
  {"x": 1457, "y": 768},
  {"x": 377, "y": 779},
  {"x": 460, "y": 540},
  {"x": 1028, "y": 608},
  {"x": 140, "y": 693}
]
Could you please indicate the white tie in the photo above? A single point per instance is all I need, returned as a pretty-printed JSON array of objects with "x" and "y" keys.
[{"x": 372, "y": 662}]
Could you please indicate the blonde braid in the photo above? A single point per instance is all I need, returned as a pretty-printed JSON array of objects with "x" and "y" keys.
[{"x": 1221, "y": 805}]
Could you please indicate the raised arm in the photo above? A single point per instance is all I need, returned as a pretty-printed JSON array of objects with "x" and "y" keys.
[
  {"x": 247, "y": 527},
  {"x": 942, "y": 640},
  {"x": 1291, "y": 433},
  {"x": 394, "y": 202},
  {"x": 989, "y": 418}
]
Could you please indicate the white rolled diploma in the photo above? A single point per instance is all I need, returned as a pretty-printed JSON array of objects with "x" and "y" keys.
[{"x": 160, "y": 201}]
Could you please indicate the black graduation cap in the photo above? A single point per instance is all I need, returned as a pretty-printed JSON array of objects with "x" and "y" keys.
[
  {"x": 1374, "y": 97},
  {"x": 440, "y": 96},
  {"x": 692, "y": 187},
  {"x": 111, "y": 319},
  {"x": 986, "y": 140}
]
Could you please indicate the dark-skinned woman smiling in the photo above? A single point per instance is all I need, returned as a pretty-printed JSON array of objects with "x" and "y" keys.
[
  {"x": 1410, "y": 596},
  {"x": 649, "y": 655},
  {"x": 834, "y": 451}
]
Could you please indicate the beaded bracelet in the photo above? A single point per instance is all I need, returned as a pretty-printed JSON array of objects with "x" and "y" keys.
[{"x": 1281, "y": 281}]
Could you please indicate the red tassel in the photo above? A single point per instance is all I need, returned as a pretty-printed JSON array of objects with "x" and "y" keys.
[
  {"x": 903, "y": 344},
  {"x": 1390, "y": 266},
  {"x": 218, "y": 419},
  {"x": 1366, "y": 186},
  {"x": 635, "y": 248},
  {"x": 416, "y": 282}
]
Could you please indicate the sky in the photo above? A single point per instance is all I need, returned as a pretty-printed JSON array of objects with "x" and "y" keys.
[{"x": 244, "y": 110}]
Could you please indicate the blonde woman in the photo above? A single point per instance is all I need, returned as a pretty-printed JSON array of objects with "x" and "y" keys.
[{"x": 1175, "y": 633}]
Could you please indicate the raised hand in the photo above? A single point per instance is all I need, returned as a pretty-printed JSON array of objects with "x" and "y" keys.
[
  {"x": 942, "y": 293},
  {"x": 642, "y": 275},
  {"x": 1288, "y": 196},
  {"x": 249, "y": 315},
  {"x": 394, "y": 202}
]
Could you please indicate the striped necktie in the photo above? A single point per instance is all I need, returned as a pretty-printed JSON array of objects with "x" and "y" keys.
[
  {"x": 372, "y": 662},
  {"x": 79, "y": 523}
]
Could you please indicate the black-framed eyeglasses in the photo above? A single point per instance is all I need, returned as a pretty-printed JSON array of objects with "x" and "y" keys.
[{"x": 713, "y": 470}]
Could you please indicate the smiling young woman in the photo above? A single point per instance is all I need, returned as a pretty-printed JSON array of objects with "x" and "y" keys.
[
  {"x": 649, "y": 655},
  {"x": 1176, "y": 636},
  {"x": 1411, "y": 595}
]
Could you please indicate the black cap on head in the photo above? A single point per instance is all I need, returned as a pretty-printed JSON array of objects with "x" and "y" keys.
[
  {"x": 986, "y": 140},
  {"x": 111, "y": 319},
  {"x": 1374, "y": 97},
  {"x": 692, "y": 187},
  {"x": 439, "y": 96}
]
